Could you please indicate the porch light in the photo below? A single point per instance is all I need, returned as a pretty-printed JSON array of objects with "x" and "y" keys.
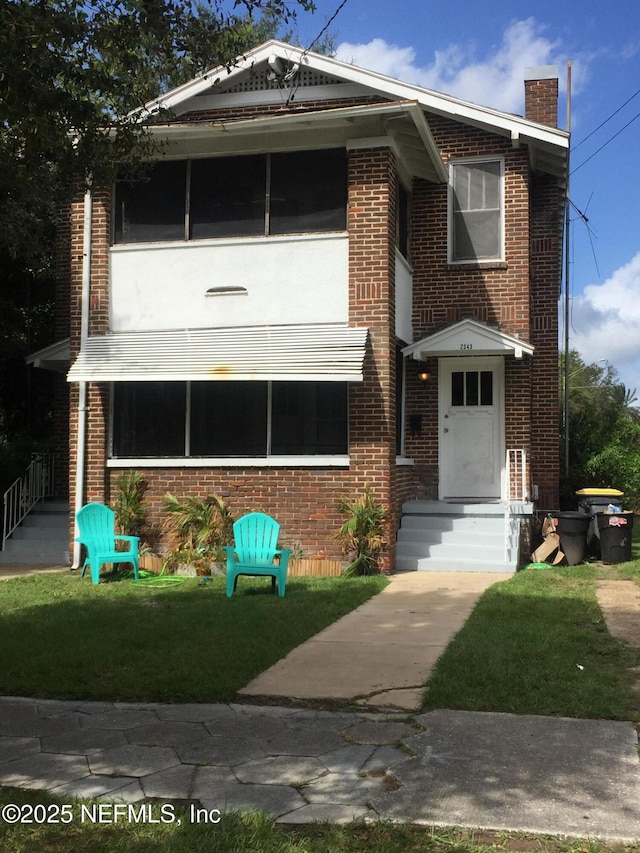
[{"x": 423, "y": 374}]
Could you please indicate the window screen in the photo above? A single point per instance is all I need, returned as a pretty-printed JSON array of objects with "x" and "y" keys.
[
  {"x": 476, "y": 211},
  {"x": 228, "y": 419},
  {"x": 309, "y": 418},
  {"x": 228, "y": 197},
  {"x": 154, "y": 208},
  {"x": 149, "y": 419},
  {"x": 308, "y": 192}
]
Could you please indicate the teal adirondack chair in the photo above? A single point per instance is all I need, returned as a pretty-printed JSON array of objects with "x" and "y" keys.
[
  {"x": 96, "y": 525},
  {"x": 255, "y": 546}
]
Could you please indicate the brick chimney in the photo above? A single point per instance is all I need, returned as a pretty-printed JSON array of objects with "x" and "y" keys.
[{"x": 541, "y": 94}]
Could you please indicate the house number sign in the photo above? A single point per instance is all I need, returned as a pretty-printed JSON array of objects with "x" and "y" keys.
[{"x": 466, "y": 346}]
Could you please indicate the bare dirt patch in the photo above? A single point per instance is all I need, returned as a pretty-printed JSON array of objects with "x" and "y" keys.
[{"x": 619, "y": 601}]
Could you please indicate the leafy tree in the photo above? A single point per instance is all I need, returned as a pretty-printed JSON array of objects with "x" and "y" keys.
[
  {"x": 71, "y": 68},
  {"x": 599, "y": 406},
  {"x": 617, "y": 465}
]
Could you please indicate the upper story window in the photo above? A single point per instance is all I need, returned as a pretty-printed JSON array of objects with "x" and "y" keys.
[
  {"x": 258, "y": 195},
  {"x": 476, "y": 211}
]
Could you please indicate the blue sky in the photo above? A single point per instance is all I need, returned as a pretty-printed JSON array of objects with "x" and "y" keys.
[{"x": 478, "y": 51}]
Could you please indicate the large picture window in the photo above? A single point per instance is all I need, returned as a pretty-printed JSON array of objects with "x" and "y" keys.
[
  {"x": 258, "y": 195},
  {"x": 476, "y": 211},
  {"x": 229, "y": 419}
]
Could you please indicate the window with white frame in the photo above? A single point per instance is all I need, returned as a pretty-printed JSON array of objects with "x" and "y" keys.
[
  {"x": 476, "y": 210},
  {"x": 228, "y": 419}
]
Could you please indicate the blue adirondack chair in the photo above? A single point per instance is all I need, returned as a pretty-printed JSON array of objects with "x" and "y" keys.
[
  {"x": 255, "y": 539},
  {"x": 96, "y": 525}
]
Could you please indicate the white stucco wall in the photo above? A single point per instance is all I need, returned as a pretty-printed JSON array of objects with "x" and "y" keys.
[
  {"x": 301, "y": 279},
  {"x": 404, "y": 299}
]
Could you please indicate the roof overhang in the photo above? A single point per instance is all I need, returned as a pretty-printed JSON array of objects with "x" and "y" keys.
[
  {"x": 468, "y": 338},
  {"x": 548, "y": 146},
  {"x": 54, "y": 357},
  {"x": 305, "y": 353},
  {"x": 400, "y": 124}
]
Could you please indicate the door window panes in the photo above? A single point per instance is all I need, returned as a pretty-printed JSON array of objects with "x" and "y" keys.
[{"x": 472, "y": 388}]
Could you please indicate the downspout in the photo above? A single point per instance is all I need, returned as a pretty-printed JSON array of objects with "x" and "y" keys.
[{"x": 82, "y": 386}]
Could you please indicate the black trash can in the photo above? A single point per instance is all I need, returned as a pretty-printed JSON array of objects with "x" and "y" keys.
[
  {"x": 592, "y": 502},
  {"x": 572, "y": 529},
  {"x": 615, "y": 536}
]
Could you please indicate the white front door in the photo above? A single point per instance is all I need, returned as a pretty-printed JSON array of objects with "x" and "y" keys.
[{"x": 471, "y": 427}]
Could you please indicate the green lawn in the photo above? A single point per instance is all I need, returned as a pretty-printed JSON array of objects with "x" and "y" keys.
[
  {"x": 64, "y": 637},
  {"x": 538, "y": 644},
  {"x": 256, "y": 834}
]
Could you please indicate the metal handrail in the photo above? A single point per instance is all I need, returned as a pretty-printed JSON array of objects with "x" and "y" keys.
[
  {"x": 24, "y": 493},
  {"x": 515, "y": 487}
]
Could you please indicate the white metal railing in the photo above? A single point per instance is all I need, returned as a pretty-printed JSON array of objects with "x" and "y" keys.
[
  {"x": 515, "y": 488},
  {"x": 22, "y": 495},
  {"x": 516, "y": 468}
]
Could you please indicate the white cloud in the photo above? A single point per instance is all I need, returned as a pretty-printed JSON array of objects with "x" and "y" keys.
[
  {"x": 605, "y": 322},
  {"x": 496, "y": 80}
]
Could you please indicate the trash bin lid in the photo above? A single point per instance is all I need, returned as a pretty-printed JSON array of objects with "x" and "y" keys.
[{"x": 605, "y": 492}]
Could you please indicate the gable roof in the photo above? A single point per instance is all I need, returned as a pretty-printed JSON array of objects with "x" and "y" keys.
[
  {"x": 281, "y": 74},
  {"x": 468, "y": 338}
]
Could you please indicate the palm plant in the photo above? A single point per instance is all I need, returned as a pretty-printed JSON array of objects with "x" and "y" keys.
[
  {"x": 132, "y": 512},
  {"x": 198, "y": 528},
  {"x": 363, "y": 533}
]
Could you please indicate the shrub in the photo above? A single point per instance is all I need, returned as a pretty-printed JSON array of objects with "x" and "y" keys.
[{"x": 362, "y": 533}]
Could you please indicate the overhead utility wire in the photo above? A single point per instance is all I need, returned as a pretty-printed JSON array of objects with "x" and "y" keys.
[
  {"x": 602, "y": 123},
  {"x": 604, "y": 145},
  {"x": 326, "y": 26},
  {"x": 307, "y": 49}
]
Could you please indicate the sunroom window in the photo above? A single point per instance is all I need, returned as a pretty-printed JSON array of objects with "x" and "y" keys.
[
  {"x": 256, "y": 195},
  {"x": 476, "y": 211},
  {"x": 229, "y": 419}
]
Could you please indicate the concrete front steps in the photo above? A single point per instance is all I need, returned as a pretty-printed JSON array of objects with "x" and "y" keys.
[
  {"x": 457, "y": 537},
  {"x": 43, "y": 536}
]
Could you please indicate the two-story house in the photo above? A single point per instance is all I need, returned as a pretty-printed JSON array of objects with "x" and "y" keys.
[{"x": 327, "y": 279}]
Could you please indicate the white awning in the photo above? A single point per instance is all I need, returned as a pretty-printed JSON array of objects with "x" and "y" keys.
[
  {"x": 468, "y": 338},
  {"x": 320, "y": 353}
]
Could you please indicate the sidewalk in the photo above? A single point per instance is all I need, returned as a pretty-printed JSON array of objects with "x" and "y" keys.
[{"x": 495, "y": 771}]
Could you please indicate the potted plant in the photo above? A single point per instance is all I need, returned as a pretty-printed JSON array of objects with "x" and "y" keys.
[
  {"x": 198, "y": 528},
  {"x": 362, "y": 533}
]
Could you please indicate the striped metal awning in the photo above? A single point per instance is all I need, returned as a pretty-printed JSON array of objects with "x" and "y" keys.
[{"x": 320, "y": 353}]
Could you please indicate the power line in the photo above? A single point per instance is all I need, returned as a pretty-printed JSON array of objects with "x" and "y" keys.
[
  {"x": 294, "y": 89},
  {"x": 604, "y": 145},
  {"x": 327, "y": 25},
  {"x": 602, "y": 123}
]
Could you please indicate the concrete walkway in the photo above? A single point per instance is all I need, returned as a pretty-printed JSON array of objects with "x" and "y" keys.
[
  {"x": 382, "y": 653},
  {"x": 496, "y": 771}
]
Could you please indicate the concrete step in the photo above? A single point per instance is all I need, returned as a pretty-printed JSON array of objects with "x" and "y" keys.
[
  {"x": 447, "y": 536},
  {"x": 451, "y": 551},
  {"x": 478, "y": 539},
  {"x": 427, "y": 564},
  {"x": 43, "y": 536}
]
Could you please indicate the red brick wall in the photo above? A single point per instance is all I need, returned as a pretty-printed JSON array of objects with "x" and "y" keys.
[
  {"x": 303, "y": 500},
  {"x": 518, "y": 296}
]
